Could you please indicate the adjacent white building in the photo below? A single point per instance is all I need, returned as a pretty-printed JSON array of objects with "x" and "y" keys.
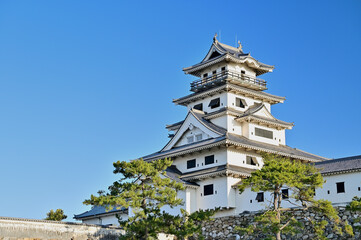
[{"x": 228, "y": 125}]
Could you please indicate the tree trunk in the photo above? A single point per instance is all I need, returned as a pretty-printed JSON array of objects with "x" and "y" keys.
[{"x": 276, "y": 205}]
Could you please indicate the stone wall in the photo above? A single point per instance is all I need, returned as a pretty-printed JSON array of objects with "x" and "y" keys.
[
  {"x": 223, "y": 227},
  {"x": 30, "y": 229}
]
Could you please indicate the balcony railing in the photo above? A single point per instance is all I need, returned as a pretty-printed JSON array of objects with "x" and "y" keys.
[{"x": 228, "y": 76}]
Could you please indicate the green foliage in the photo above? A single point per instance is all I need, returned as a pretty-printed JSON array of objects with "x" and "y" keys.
[
  {"x": 300, "y": 178},
  {"x": 144, "y": 188},
  {"x": 355, "y": 206},
  {"x": 57, "y": 215}
]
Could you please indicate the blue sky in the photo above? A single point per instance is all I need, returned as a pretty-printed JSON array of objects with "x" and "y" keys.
[{"x": 87, "y": 83}]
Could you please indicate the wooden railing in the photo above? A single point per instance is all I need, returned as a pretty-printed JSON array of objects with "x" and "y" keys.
[{"x": 240, "y": 77}]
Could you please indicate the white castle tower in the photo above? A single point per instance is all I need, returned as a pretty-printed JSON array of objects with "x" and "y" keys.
[{"x": 228, "y": 125}]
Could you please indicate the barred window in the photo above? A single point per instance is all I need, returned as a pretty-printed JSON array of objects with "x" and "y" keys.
[
  {"x": 263, "y": 133},
  {"x": 198, "y": 137}
]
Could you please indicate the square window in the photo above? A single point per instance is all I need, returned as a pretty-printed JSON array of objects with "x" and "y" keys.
[
  {"x": 251, "y": 160},
  {"x": 223, "y": 69},
  {"x": 260, "y": 197},
  {"x": 208, "y": 189},
  {"x": 198, "y": 137},
  {"x": 284, "y": 193},
  {"x": 243, "y": 72},
  {"x": 198, "y": 106},
  {"x": 241, "y": 103},
  {"x": 190, "y": 139},
  {"x": 205, "y": 75},
  {"x": 214, "y": 103},
  {"x": 191, "y": 163},
  {"x": 209, "y": 159},
  {"x": 214, "y": 72},
  {"x": 340, "y": 187}
]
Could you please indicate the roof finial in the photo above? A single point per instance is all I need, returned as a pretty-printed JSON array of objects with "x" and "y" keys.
[
  {"x": 239, "y": 45},
  {"x": 215, "y": 38}
]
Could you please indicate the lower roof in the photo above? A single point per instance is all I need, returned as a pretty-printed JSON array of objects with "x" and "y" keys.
[
  {"x": 97, "y": 211},
  {"x": 229, "y": 139},
  {"x": 340, "y": 165}
]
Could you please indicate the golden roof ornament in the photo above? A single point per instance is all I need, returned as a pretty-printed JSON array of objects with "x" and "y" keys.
[
  {"x": 215, "y": 38},
  {"x": 239, "y": 45}
]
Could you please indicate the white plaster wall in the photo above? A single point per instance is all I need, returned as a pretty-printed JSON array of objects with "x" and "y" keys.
[
  {"x": 191, "y": 133},
  {"x": 221, "y": 121},
  {"x": 278, "y": 135},
  {"x": 352, "y": 183},
  {"x": 216, "y": 67},
  {"x": 238, "y": 158},
  {"x": 250, "y": 101},
  {"x": 207, "y": 100},
  {"x": 238, "y": 67},
  {"x": 234, "y": 126},
  {"x": 105, "y": 220},
  {"x": 220, "y": 158},
  {"x": 247, "y": 201},
  {"x": 218, "y": 199}
]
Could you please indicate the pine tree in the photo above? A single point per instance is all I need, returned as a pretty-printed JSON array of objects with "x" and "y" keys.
[
  {"x": 57, "y": 215},
  {"x": 301, "y": 179},
  {"x": 144, "y": 189}
]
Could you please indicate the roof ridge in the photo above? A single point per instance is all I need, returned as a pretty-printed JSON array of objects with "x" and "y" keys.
[{"x": 357, "y": 157}]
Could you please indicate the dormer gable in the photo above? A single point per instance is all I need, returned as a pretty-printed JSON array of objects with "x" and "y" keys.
[{"x": 194, "y": 122}]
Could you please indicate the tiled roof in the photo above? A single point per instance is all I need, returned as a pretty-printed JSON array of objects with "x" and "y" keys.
[
  {"x": 225, "y": 87},
  {"x": 97, "y": 211},
  {"x": 257, "y": 107},
  {"x": 217, "y": 169},
  {"x": 184, "y": 148},
  {"x": 227, "y": 52},
  {"x": 283, "y": 150},
  {"x": 228, "y": 138},
  {"x": 200, "y": 116},
  {"x": 340, "y": 165},
  {"x": 173, "y": 173}
]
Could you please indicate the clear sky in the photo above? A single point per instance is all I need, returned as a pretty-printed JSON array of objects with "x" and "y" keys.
[{"x": 86, "y": 83}]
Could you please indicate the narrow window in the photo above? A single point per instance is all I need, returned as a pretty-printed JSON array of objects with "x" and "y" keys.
[
  {"x": 284, "y": 193},
  {"x": 209, "y": 160},
  {"x": 260, "y": 197},
  {"x": 198, "y": 106},
  {"x": 241, "y": 103},
  {"x": 191, "y": 163},
  {"x": 190, "y": 139},
  {"x": 214, "y": 103},
  {"x": 340, "y": 187},
  {"x": 208, "y": 189},
  {"x": 359, "y": 188},
  {"x": 251, "y": 160},
  {"x": 198, "y": 137},
  {"x": 263, "y": 133},
  {"x": 328, "y": 191}
]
